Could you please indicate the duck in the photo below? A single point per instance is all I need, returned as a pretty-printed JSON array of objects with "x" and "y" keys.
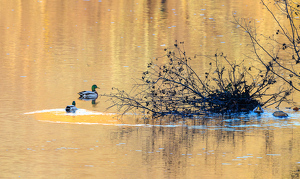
[
  {"x": 296, "y": 109},
  {"x": 280, "y": 114},
  {"x": 89, "y": 94},
  {"x": 258, "y": 109},
  {"x": 71, "y": 108}
]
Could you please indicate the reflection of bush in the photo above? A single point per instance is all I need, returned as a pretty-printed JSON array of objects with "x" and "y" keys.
[
  {"x": 175, "y": 88},
  {"x": 198, "y": 142}
]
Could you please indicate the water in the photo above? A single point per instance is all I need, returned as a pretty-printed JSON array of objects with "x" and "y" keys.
[{"x": 51, "y": 50}]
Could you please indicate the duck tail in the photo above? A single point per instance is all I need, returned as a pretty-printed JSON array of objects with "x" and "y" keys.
[{"x": 68, "y": 109}]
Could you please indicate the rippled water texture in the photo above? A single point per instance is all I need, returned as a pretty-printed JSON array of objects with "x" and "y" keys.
[{"x": 51, "y": 50}]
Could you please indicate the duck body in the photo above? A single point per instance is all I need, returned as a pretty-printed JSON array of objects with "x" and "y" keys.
[
  {"x": 280, "y": 114},
  {"x": 258, "y": 109},
  {"x": 89, "y": 94},
  {"x": 71, "y": 108}
]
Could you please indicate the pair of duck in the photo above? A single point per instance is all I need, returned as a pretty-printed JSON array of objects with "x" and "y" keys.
[
  {"x": 259, "y": 110},
  {"x": 87, "y": 95}
]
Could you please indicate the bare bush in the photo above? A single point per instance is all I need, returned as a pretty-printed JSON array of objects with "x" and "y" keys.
[{"x": 176, "y": 89}]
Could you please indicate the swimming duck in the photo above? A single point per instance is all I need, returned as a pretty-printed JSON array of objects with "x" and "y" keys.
[
  {"x": 280, "y": 114},
  {"x": 296, "y": 109},
  {"x": 258, "y": 109},
  {"x": 89, "y": 94},
  {"x": 71, "y": 108}
]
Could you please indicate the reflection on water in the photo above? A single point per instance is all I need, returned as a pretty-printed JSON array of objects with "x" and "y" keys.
[
  {"x": 51, "y": 50},
  {"x": 250, "y": 146}
]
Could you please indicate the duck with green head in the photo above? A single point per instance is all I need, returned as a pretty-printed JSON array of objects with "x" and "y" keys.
[
  {"x": 89, "y": 94},
  {"x": 71, "y": 108}
]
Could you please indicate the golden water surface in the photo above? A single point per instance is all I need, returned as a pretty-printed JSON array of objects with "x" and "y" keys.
[{"x": 50, "y": 50}]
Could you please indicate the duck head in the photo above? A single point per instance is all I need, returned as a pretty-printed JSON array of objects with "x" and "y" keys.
[{"x": 94, "y": 87}]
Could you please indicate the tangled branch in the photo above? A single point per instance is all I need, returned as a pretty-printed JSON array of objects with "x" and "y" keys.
[{"x": 175, "y": 88}]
